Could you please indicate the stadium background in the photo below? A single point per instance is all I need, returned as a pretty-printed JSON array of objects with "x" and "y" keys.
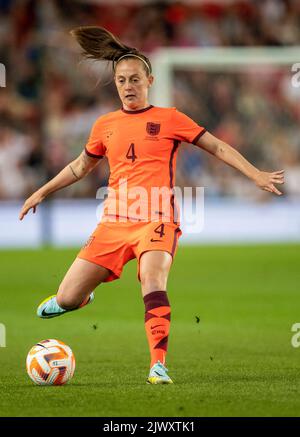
[{"x": 47, "y": 109}]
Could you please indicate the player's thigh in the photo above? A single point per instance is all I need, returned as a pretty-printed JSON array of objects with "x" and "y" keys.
[
  {"x": 81, "y": 279},
  {"x": 154, "y": 269}
]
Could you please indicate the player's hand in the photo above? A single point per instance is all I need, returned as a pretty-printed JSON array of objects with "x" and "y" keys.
[
  {"x": 266, "y": 181},
  {"x": 31, "y": 203}
]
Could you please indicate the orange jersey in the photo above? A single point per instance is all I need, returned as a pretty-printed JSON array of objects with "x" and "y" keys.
[{"x": 141, "y": 147}]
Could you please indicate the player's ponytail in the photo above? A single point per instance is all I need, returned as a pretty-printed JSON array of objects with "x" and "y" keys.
[{"x": 100, "y": 44}]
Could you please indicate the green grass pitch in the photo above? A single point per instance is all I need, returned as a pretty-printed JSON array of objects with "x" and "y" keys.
[{"x": 230, "y": 350}]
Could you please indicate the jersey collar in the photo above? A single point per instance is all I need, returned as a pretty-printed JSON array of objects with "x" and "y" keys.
[{"x": 138, "y": 111}]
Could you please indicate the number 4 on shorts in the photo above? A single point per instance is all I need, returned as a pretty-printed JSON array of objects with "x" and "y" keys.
[{"x": 160, "y": 230}]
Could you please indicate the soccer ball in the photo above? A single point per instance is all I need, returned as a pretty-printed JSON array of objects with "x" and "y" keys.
[{"x": 50, "y": 362}]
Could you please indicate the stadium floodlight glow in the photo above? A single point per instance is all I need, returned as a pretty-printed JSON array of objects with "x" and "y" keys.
[
  {"x": 165, "y": 60},
  {"x": 2, "y": 76}
]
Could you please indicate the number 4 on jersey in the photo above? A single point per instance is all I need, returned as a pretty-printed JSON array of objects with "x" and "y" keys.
[{"x": 131, "y": 153}]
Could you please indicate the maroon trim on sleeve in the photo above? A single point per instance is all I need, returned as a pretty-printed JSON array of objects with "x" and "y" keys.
[
  {"x": 92, "y": 155},
  {"x": 195, "y": 140}
]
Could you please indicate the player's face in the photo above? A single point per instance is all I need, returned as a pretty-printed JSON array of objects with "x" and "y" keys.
[{"x": 132, "y": 84}]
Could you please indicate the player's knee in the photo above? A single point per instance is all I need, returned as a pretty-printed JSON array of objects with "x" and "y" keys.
[
  {"x": 154, "y": 280},
  {"x": 67, "y": 301}
]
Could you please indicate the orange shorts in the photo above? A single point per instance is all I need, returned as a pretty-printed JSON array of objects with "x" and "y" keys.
[{"x": 113, "y": 244}]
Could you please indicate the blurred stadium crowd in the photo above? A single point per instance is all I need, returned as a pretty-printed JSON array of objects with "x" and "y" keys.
[{"x": 51, "y": 99}]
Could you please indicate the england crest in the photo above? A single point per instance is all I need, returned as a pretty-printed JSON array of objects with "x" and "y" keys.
[{"x": 153, "y": 128}]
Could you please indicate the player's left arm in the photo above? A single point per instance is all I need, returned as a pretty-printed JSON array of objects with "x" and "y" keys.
[{"x": 223, "y": 151}]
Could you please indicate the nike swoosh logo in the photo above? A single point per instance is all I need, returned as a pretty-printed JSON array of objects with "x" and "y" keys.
[
  {"x": 39, "y": 344},
  {"x": 47, "y": 314},
  {"x": 154, "y": 240},
  {"x": 152, "y": 327},
  {"x": 157, "y": 373}
]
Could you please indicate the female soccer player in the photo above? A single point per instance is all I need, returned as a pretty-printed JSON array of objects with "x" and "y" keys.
[{"x": 141, "y": 143}]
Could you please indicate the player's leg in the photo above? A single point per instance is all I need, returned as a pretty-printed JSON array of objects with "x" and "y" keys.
[
  {"x": 101, "y": 259},
  {"x": 80, "y": 280},
  {"x": 153, "y": 271},
  {"x": 76, "y": 289}
]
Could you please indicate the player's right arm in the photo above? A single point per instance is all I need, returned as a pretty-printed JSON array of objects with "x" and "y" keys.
[
  {"x": 185, "y": 129},
  {"x": 229, "y": 155},
  {"x": 72, "y": 173}
]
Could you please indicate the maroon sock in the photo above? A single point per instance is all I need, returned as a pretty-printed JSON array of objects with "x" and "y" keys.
[{"x": 157, "y": 324}]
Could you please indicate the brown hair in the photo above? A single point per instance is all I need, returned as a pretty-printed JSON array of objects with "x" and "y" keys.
[{"x": 100, "y": 44}]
